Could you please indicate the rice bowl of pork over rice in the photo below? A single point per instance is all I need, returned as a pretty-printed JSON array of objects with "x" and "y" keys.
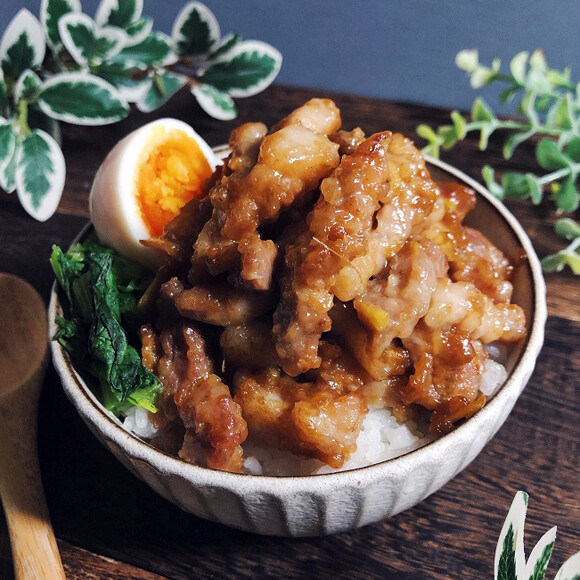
[{"x": 339, "y": 326}]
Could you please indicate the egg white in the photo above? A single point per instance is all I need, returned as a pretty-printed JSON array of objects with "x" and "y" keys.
[{"x": 113, "y": 201}]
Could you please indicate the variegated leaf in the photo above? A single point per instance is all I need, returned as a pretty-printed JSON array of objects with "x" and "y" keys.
[
  {"x": 570, "y": 570},
  {"x": 139, "y": 30},
  {"x": 215, "y": 103},
  {"x": 162, "y": 86},
  {"x": 27, "y": 86},
  {"x": 8, "y": 171},
  {"x": 510, "y": 559},
  {"x": 85, "y": 42},
  {"x": 119, "y": 13},
  {"x": 50, "y": 13},
  {"x": 195, "y": 30},
  {"x": 153, "y": 50},
  {"x": 248, "y": 68},
  {"x": 82, "y": 99},
  {"x": 22, "y": 45},
  {"x": 7, "y": 142},
  {"x": 38, "y": 120},
  {"x": 226, "y": 44},
  {"x": 540, "y": 556},
  {"x": 40, "y": 174},
  {"x": 3, "y": 92},
  {"x": 131, "y": 83}
]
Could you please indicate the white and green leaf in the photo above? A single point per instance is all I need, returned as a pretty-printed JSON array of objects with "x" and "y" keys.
[
  {"x": 195, "y": 31},
  {"x": 226, "y": 44},
  {"x": 119, "y": 13},
  {"x": 510, "y": 559},
  {"x": 540, "y": 556},
  {"x": 215, "y": 103},
  {"x": 27, "y": 87},
  {"x": 162, "y": 86},
  {"x": 130, "y": 82},
  {"x": 151, "y": 51},
  {"x": 23, "y": 45},
  {"x": 86, "y": 43},
  {"x": 138, "y": 30},
  {"x": 40, "y": 174},
  {"x": 245, "y": 70},
  {"x": 38, "y": 120},
  {"x": 518, "y": 67},
  {"x": 570, "y": 570},
  {"x": 82, "y": 99},
  {"x": 3, "y": 92},
  {"x": 8, "y": 171},
  {"x": 8, "y": 140},
  {"x": 50, "y": 13}
]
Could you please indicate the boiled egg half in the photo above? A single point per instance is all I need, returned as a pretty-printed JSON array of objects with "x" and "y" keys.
[{"x": 144, "y": 182}]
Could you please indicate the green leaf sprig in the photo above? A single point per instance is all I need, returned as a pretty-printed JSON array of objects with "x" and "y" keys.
[
  {"x": 549, "y": 103},
  {"x": 67, "y": 66},
  {"x": 510, "y": 560}
]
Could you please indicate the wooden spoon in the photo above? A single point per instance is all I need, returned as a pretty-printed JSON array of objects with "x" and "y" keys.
[{"x": 23, "y": 360}]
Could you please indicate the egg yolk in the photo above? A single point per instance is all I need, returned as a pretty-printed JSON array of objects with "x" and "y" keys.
[{"x": 170, "y": 175}]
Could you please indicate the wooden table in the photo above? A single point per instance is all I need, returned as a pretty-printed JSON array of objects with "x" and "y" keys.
[{"x": 110, "y": 525}]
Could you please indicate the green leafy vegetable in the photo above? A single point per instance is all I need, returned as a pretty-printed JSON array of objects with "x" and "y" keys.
[
  {"x": 101, "y": 291},
  {"x": 96, "y": 68},
  {"x": 549, "y": 104}
]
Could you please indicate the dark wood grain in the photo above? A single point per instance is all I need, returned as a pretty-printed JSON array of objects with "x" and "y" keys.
[{"x": 110, "y": 525}]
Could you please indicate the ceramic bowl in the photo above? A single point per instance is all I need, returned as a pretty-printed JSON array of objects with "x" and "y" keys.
[{"x": 330, "y": 503}]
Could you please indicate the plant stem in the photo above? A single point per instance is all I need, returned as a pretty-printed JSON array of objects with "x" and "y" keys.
[{"x": 22, "y": 120}]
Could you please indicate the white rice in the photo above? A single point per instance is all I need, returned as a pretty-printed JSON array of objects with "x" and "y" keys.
[{"x": 381, "y": 437}]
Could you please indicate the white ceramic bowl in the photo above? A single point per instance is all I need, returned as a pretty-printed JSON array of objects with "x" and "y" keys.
[{"x": 325, "y": 504}]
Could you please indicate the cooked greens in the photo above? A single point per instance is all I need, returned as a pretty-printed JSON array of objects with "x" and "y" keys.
[{"x": 100, "y": 303}]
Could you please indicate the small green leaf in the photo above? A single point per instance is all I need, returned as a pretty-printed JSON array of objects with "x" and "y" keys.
[
  {"x": 215, "y": 103},
  {"x": 448, "y": 136},
  {"x": 492, "y": 185},
  {"x": 554, "y": 262},
  {"x": 467, "y": 60},
  {"x": 538, "y": 61},
  {"x": 22, "y": 45},
  {"x": 227, "y": 43},
  {"x": 567, "y": 197},
  {"x": 195, "y": 31},
  {"x": 567, "y": 228},
  {"x": 8, "y": 172},
  {"x": 82, "y": 99},
  {"x": 537, "y": 82},
  {"x": 27, "y": 86},
  {"x": 514, "y": 141},
  {"x": 153, "y": 50},
  {"x": 482, "y": 76},
  {"x": 515, "y": 185},
  {"x": 535, "y": 188},
  {"x": 459, "y": 123},
  {"x": 518, "y": 66},
  {"x": 87, "y": 44},
  {"x": 40, "y": 173},
  {"x": 427, "y": 133},
  {"x": 558, "y": 115},
  {"x": 120, "y": 13},
  {"x": 573, "y": 149},
  {"x": 484, "y": 135},
  {"x": 480, "y": 111},
  {"x": 508, "y": 94},
  {"x": 50, "y": 13},
  {"x": 549, "y": 156},
  {"x": 7, "y": 142},
  {"x": 250, "y": 67},
  {"x": 162, "y": 86}
]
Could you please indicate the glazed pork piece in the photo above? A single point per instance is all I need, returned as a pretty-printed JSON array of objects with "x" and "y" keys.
[{"x": 321, "y": 273}]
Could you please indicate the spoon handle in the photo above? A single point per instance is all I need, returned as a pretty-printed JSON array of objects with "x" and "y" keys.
[{"x": 34, "y": 549}]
